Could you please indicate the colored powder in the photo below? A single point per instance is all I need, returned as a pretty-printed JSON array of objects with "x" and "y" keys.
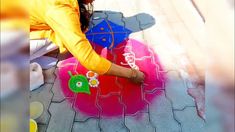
[{"x": 115, "y": 96}]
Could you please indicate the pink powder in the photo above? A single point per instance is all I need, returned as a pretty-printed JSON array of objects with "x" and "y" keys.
[{"x": 116, "y": 96}]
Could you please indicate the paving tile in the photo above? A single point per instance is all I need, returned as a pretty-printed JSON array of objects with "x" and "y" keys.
[
  {"x": 137, "y": 36},
  {"x": 199, "y": 96},
  {"x": 149, "y": 15},
  {"x": 86, "y": 106},
  {"x": 124, "y": 129},
  {"x": 145, "y": 20},
  {"x": 190, "y": 44},
  {"x": 42, "y": 128},
  {"x": 99, "y": 15},
  {"x": 44, "y": 96},
  {"x": 49, "y": 76},
  {"x": 156, "y": 36},
  {"x": 164, "y": 26},
  {"x": 132, "y": 23},
  {"x": 150, "y": 7},
  {"x": 99, "y": 5},
  {"x": 109, "y": 5},
  {"x": 127, "y": 7},
  {"x": 167, "y": 8},
  {"x": 105, "y": 89},
  {"x": 189, "y": 120},
  {"x": 161, "y": 114},
  {"x": 132, "y": 99},
  {"x": 117, "y": 108},
  {"x": 96, "y": 22},
  {"x": 166, "y": 54},
  {"x": 113, "y": 124},
  {"x": 62, "y": 117},
  {"x": 191, "y": 19},
  {"x": 139, "y": 123},
  {"x": 90, "y": 125},
  {"x": 176, "y": 91},
  {"x": 213, "y": 114},
  {"x": 115, "y": 17},
  {"x": 56, "y": 90},
  {"x": 81, "y": 117}
]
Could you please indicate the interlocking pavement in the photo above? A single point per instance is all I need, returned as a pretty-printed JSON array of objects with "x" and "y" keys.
[{"x": 173, "y": 111}]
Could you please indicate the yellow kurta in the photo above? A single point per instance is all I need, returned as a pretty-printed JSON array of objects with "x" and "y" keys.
[{"x": 59, "y": 21}]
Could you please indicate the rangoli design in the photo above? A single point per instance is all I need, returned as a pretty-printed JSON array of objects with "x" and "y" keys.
[{"x": 109, "y": 94}]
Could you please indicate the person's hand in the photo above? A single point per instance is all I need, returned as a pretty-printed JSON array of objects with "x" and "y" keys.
[
  {"x": 134, "y": 75},
  {"x": 137, "y": 76}
]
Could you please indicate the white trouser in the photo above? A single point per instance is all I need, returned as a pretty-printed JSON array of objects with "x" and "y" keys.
[{"x": 41, "y": 47}]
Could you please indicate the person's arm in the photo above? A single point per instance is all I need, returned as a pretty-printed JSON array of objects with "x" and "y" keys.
[
  {"x": 119, "y": 71},
  {"x": 133, "y": 75}
]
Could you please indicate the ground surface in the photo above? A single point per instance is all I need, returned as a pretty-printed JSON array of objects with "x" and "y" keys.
[{"x": 158, "y": 25}]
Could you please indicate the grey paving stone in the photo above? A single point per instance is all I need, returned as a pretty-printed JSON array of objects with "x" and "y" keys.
[
  {"x": 124, "y": 129},
  {"x": 190, "y": 121},
  {"x": 139, "y": 123},
  {"x": 132, "y": 24},
  {"x": 82, "y": 117},
  {"x": 42, "y": 128},
  {"x": 145, "y": 20},
  {"x": 62, "y": 117},
  {"x": 116, "y": 17},
  {"x": 49, "y": 76},
  {"x": 96, "y": 22},
  {"x": 56, "y": 89},
  {"x": 43, "y": 95},
  {"x": 161, "y": 115},
  {"x": 143, "y": 27},
  {"x": 176, "y": 91},
  {"x": 90, "y": 125},
  {"x": 115, "y": 124},
  {"x": 137, "y": 36},
  {"x": 99, "y": 15},
  {"x": 213, "y": 114},
  {"x": 127, "y": 7}
]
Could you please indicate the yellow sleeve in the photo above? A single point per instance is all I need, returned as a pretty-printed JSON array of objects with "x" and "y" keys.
[{"x": 65, "y": 22}]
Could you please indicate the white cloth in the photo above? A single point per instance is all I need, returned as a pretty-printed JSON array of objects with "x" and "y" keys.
[
  {"x": 38, "y": 48},
  {"x": 41, "y": 47}
]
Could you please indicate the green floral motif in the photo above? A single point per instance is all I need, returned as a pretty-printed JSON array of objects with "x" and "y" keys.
[{"x": 79, "y": 84}]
